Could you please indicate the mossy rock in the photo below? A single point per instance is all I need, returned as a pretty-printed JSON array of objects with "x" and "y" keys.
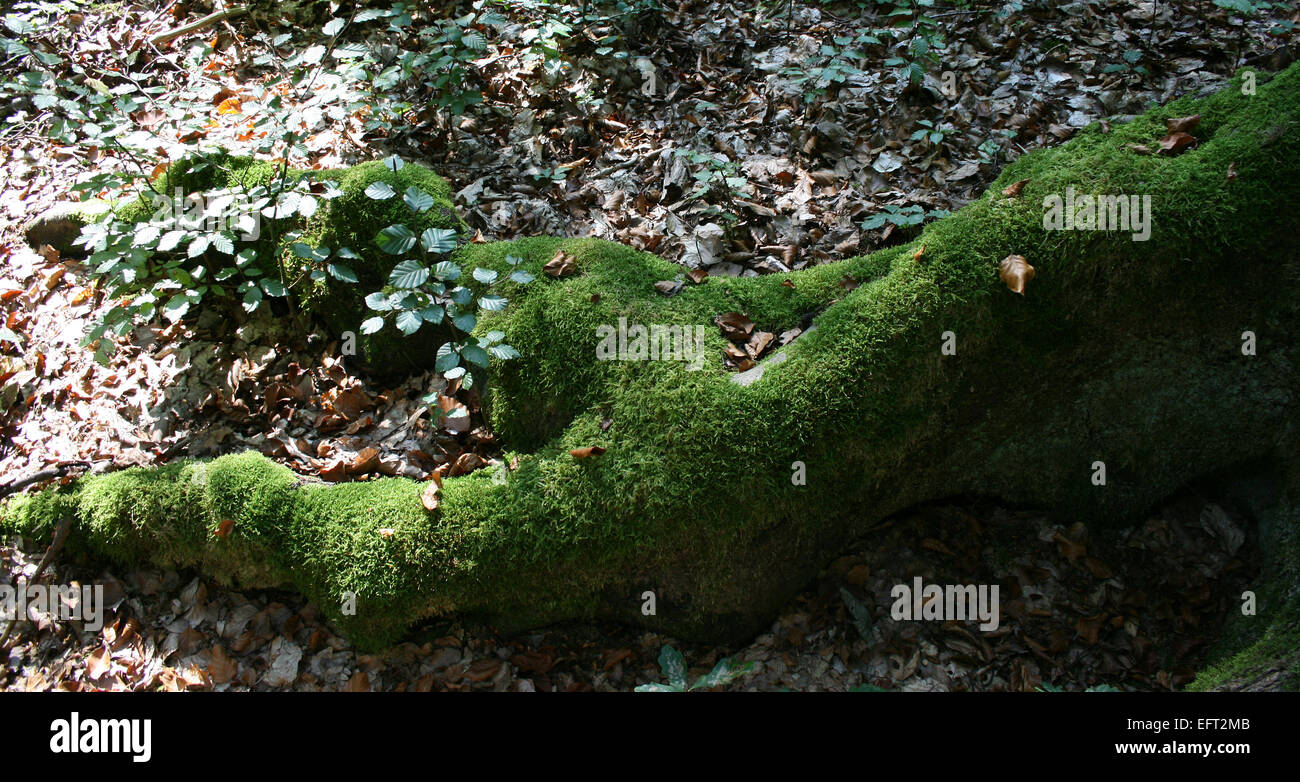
[
  {"x": 351, "y": 220},
  {"x": 1120, "y": 351}
]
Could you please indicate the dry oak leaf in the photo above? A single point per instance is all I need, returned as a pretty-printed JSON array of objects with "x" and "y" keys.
[
  {"x": 583, "y": 453},
  {"x": 367, "y": 461},
  {"x": 1013, "y": 190},
  {"x": 697, "y": 275},
  {"x": 1016, "y": 272},
  {"x": 560, "y": 265}
]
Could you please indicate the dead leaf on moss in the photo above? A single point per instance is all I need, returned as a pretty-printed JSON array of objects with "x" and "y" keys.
[
  {"x": 1013, "y": 190},
  {"x": 1232, "y": 171},
  {"x": 735, "y": 326},
  {"x": 429, "y": 497},
  {"x": 561, "y": 265},
  {"x": 696, "y": 276},
  {"x": 1016, "y": 272},
  {"x": 1141, "y": 149},
  {"x": 1176, "y": 144},
  {"x": 758, "y": 342},
  {"x": 590, "y": 450},
  {"x": 1183, "y": 124},
  {"x": 668, "y": 287},
  {"x": 916, "y": 256},
  {"x": 224, "y": 528}
]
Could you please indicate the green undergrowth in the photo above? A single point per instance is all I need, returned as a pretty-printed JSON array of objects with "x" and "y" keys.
[
  {"x": 351, "y": 220},
  {"x": 1121, "y": 351}
]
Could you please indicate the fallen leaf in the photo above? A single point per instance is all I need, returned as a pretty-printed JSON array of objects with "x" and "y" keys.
[
  {"x": 1016, "y": 272},
  {"x": 367, "y": 461},
  {"x": 560, "y": 265},
  {"x": 1232, "y": 171},
  {"x": 1070, "y": 549},
  {"x": 1183, "y": 124},
  {"x": 335, "y": 472},
  {"x": 1013, "y": 190},
  {"x": 916, "y": 256},
  {"x": 360, "y": 682},
  {"x": 734, "y": 325},
  {"x": 590, "y": 450},
  {"x": 668, "y": 287},
  {"x": 224, "y": 528},
  {"x": 221, "y": 666},
  {"x": 696, "y": 275},
  {"x": 1141, "y": 149},
  {"x": 429, "y": 497},
  {"x": 1176, "y": 144},
  {"x": 386, "y": 532},
  {"x": 758, "y": 342}
]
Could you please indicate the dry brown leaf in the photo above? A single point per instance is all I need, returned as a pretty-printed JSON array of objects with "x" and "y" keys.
[
  {"x": 1013, "y": 190},
  {"x": 1016, "y": 272},
  {"x": 336, "y": 471},
  {"x": 590, "y": 450},
  {"x": 367, "y": 461},
  {"x": 221, "y": 666},
  {"x": 697, "y": 276},
  {"x": 1176, "y": 144},
  {"x": 668, "y": 287},
  {"x": 1183, "y": 124},
  {"x": 916, "y": 256},
  {"x": 1070, "y": 549},
  {"x": 735, "y": 326},
  {"x": 758, "y": 342},
  {"x": 224, "y": 528},
  {"x": 1141, "y": 149},
  {"x": 429, "y": 497},
  {"x": 360, "y": 682},
  {"x": 560, "y": 265}
]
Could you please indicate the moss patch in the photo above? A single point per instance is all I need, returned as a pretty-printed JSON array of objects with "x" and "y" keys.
[{"x": 1121, "y": 351}]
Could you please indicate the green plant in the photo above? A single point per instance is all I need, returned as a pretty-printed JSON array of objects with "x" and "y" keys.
[
  {"x": 836, "y": 63},
  {"x": 1128, "y": 65},
  {"x": 935, "y": 134},
  {"x": 674, "y": 668},
  {"x": 902, "y": 216},
  {"x": 422, "y": 290}
]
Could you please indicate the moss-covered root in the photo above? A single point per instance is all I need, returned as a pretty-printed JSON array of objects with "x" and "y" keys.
[{"x": 1128, "y": 353}]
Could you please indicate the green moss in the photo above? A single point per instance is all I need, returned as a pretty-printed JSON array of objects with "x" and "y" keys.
[{"x": 1122, "y": 351}]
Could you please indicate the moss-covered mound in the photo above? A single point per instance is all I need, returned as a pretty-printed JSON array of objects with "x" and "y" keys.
[
  {"x": 350, "y": 220},
  {"x": 1123, "y": 352}
]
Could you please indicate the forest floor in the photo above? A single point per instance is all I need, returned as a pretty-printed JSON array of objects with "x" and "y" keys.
[{"x": 735, "y": 138}]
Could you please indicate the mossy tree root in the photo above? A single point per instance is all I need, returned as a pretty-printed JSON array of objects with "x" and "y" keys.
[{"x": 1124, "y": 352}]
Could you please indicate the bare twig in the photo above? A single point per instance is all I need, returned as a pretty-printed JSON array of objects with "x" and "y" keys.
[{"x": 212, "y": 18}]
